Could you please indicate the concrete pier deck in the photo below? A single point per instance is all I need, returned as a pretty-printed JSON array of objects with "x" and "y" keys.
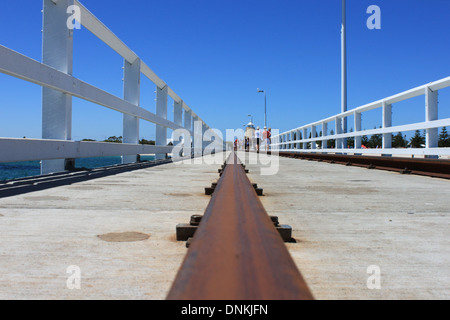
[{"x": 344, "y": 220}]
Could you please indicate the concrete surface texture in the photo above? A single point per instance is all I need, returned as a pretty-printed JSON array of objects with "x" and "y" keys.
[
  {"x": 43, "y": 233},
  {"x": 361, "y": 234}
]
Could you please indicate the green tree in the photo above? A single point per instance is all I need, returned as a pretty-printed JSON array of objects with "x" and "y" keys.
[
  {"x": 364, "y": 141},
  {"x": 398, "y": 141},
  {"x": 351, "y": 141},
  {"x": 319, "y": 143},
  {"x": 375, "y": 140},
  {"x": 444, "y": 139},
  {"x": 418, "y": 140},
  {"x": 114, "y": 139},
  {"x": 308, "y": 145},
  {"x": 145, "y": 141}
]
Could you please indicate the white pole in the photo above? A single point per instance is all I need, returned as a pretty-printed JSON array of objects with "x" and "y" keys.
[
  {"x": 431, "y": 113},
  {"x": 161, "y": 110},
  {"x": 57, "y": 52},
  {"x": 131, "y": 88},
  {"x": 344, "y": 67}
]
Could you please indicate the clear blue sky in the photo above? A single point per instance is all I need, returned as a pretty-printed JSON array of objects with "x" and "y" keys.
[{"x": 214, "y": 54}]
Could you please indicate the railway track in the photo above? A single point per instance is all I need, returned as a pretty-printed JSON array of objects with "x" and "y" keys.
[
  {"x": 237, "y": 253},
  {"x": 437, "y": 168}
]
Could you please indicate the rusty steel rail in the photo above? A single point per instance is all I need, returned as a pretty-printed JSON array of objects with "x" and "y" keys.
[
  {"x": 437, "y": 168},
  {"x": 236, "y": 253}
]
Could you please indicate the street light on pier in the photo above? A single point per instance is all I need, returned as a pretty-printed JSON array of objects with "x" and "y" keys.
[
  {"x": 344, "y": 69},
  {"x": 265, "y": 106}
]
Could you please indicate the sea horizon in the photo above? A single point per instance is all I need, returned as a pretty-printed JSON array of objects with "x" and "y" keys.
[{"x": 24, "y": 169}]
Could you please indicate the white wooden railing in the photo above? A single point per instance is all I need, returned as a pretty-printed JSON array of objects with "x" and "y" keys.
[
  {"x": 297, "y": 140},
  {"x": 54, "y": 74}
]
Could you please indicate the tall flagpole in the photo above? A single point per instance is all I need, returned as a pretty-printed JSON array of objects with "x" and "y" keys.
[{"x": 344, "y": 68}]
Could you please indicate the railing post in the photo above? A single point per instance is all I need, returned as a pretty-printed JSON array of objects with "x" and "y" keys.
[
  {"x": 131, "y": 92},
  {"x": 204, "y": 143},
  {"x": 288, "y": 140},
  {"x": 57, "y": 52},
  {"x": 188, "y": 120},
  {"x": 357, "y": 119},
  {"x": 178, "y": 112},
  {"x": 294, "y": 138},
  {"x": 178, "y": 117},
  {"x": 324, "y": 134},
  {"x": 188, "y": 126},
  {"x": 305, "y": 136},
  {"x": 387, "y": 122},
  {"x": 198, "y": 136},
  {"x": 431, "y": 113},
  {"x": 161, "y": 111}
]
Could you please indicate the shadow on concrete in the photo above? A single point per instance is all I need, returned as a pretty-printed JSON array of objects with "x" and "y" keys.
[{"x": 15, "y": 187}]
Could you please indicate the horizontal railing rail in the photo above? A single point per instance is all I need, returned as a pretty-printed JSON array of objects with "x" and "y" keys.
[
  {"x": 297, "y": 140},
  {"x": 54, "y": 74},
  {"x": 22, "y": 67},
  {"x": 41, "y": 149},
  {"x": 96, "y": 27}
]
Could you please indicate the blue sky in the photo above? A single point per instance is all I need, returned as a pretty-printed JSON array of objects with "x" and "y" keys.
[{"x": 215, "y": 54}]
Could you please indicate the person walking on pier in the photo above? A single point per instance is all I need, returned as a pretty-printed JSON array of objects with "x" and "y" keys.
[
  {"x": 258, "y": 138},
  {"x": 264, "y": 137}
]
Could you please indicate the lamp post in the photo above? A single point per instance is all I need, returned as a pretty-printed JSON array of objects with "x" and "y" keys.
[
  {"x": 344, "y": 70},
  {"x": 265, "y": 107}
]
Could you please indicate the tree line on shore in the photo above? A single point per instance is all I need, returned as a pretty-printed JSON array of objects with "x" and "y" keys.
[{"x": 114, "y": 139}]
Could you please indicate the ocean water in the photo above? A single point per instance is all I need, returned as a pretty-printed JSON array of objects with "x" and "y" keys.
[{"x": 15, "y": 170}]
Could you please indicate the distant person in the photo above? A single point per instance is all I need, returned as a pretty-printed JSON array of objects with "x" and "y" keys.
[
  {"x": 269, "y": 135},
  {"x": 264, "y": 137},
  {"x": 235, "y": 144},
  {"x": 258, "y": 137}
]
